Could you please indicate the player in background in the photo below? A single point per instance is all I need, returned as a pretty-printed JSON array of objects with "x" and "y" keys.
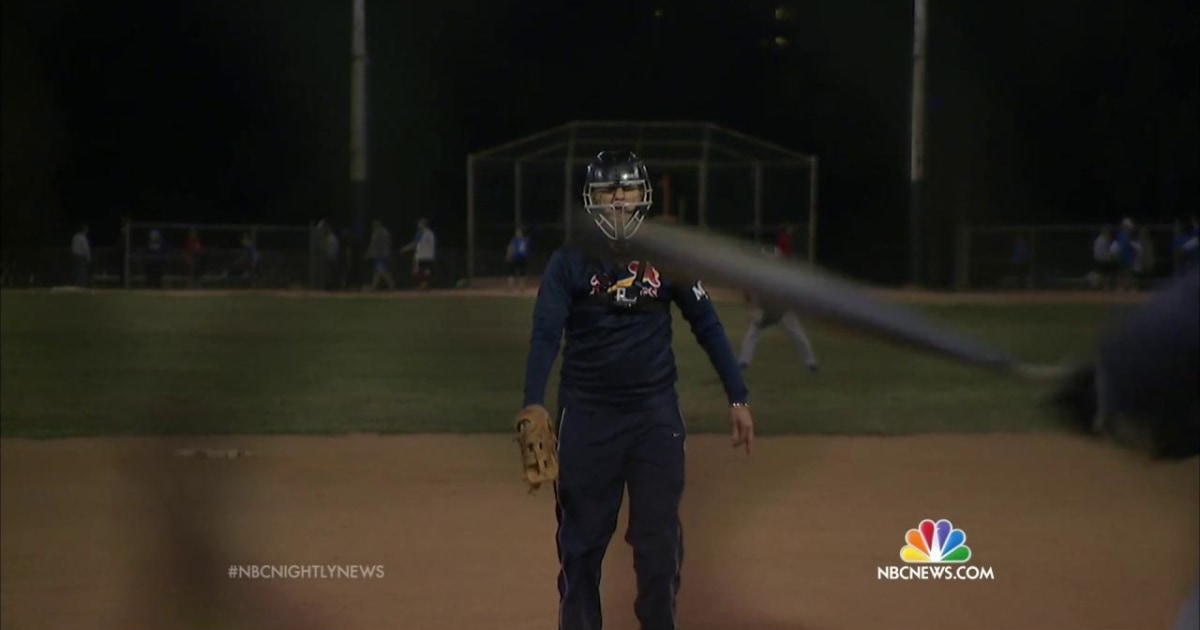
[
  {"x": 424, "y": 248},
  {"x": 763, "y": 316},
  {"x": 516, "y": 255},
  {"x": 379, "y": 252},
  {"x": 620, "y": 425}
]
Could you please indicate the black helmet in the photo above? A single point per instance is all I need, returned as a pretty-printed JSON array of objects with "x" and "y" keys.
[{"x": 617, "y": 169}]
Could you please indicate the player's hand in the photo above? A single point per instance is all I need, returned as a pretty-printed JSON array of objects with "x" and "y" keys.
[{"x": 741, "y": 427}]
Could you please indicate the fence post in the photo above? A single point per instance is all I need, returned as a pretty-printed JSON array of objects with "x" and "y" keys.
[
  {"x": 315, "y": 257},
  {"x": 702, "y": 175},
  {"x": 812, "y": 211},
  {"x": 758, "y": 201},
  {"x": 962, "y": 255},
  {"x": 1031, "y": 271},
  {"x": 517, "y": 201},
  {"x": 126, "y": 229},
  {"x": 568, "y": 180},
  {"x": 470, "y": 274}
]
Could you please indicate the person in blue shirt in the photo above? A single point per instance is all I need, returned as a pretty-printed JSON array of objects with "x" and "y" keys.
[
  {"x": 1185, "y": 246},
  {"x": 619, "y": 422},
  {"x": 1124, "y": 249},
  {"x": 517, "y": 255},
  {"x": 248, "y": 262}
]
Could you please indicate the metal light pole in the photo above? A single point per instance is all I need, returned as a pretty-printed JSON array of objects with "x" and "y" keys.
[
  {"x": 917, "y": 143},
  {"x": 358, "y": 116}
]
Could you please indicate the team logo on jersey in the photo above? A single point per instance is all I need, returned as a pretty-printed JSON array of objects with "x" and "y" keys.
[
  {"x": 649, "y": 286},
  {"x": 600, "y": 283},
  {"x": 651, "y": 281},
  {"x": 626, "y": 291}
]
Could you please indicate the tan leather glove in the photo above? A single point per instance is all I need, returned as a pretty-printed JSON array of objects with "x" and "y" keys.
[{"x": 539, "y": 446}]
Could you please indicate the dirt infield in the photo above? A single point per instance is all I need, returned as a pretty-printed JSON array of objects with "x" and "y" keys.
[{"x": 1076, "y": 534}]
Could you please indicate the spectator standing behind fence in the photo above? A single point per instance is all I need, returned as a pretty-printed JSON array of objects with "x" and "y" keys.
[
  {"x": 248, "y": 262},
  {"x": 1124, "y": 249},
  {"x": 1021, "y": 268},
  {"x": 783, "y": 243},
  {"x": 1185, "y": 247},
  {"x": 1106, "y": 266},
  {"x": 324, "y": 261},
  {"x": 379, "y": 252},
  {"x": 1144, "y": 259},
  {"x": 517, "y": 255},
  {"x": 192, "y": 248},
  {"x": 333, "y": 251},
  {"x": 425, "y": 245},
  {"x": 351, "y": 259},
  {"x": 125, "y": 244},
  {"x": 81, "y": 257},
  {"x": 155, "y": 251}
]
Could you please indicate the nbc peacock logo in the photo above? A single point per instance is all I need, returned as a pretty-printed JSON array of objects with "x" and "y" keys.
[
  {"x": 935, "y": 550},
  {"x": 938, "y": 541}
]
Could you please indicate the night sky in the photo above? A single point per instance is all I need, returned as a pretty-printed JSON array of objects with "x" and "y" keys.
[{"x": 1039, "y": 111}]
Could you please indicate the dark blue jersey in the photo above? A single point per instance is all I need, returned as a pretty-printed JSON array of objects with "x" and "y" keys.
[
  {"x": 1150, "y": 362},
  {"x": 616, "y": 320}
]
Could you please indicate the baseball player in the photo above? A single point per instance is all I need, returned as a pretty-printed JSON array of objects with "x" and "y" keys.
[
  {"x": 380, "y": 253},
  {"x": 1140, "y": 389},
  {"x": 619, "y": 423},
  {"x": 763, "y": 316},
  {"x": 517, "y": 255},
  {"x": 424, "y": 248},
  {"x": 81, "y": 250}
]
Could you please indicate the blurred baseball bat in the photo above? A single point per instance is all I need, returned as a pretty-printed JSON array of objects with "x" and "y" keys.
[{"x": 690, "y": 254}]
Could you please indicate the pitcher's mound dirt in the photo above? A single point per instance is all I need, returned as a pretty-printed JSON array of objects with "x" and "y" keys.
[{"x": 112, "y": 533}]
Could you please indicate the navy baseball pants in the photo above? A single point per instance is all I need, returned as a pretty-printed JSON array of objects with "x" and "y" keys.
[{"x": 600, "y": 453}]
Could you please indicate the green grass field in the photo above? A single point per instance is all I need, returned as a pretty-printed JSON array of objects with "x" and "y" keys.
[{"x": 129, "y": 363}]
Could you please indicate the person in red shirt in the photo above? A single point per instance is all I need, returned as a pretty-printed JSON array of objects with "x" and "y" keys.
[
  {"x": 783, "y": 244},
  {"x": 191, "y": 251}
]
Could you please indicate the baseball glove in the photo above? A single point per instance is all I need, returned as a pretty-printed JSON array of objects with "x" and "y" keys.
[
  {"x": 539, "y": 446},
  {"x": 1076, "y": 401},
  {"x": 1160, "y": 424}
]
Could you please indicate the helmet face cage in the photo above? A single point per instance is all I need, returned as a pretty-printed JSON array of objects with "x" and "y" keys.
[{"x": 613, "y": 170}]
